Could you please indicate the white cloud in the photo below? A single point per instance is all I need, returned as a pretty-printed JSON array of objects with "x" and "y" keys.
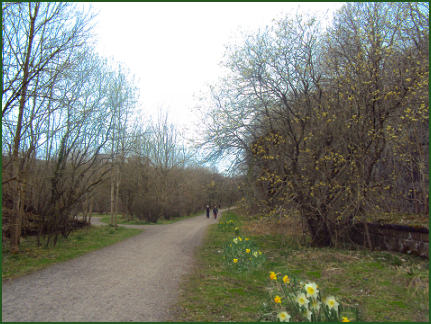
[{"x": 174, "y": 49}]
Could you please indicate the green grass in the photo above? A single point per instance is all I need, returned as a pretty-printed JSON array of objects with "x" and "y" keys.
[
  {"x": 214, "y": 293},
  {"x": 228, "y": 222},
  {"x": 134, "y": 221},
  {"x": 120, "y": 220},
  {"x": 385, "y": 286},
  {"x": 32, "y": 258}
]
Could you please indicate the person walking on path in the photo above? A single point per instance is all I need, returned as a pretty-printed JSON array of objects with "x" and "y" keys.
[
  {"x": 215, "y": 211},
  {"x": 208, "y": 211}
]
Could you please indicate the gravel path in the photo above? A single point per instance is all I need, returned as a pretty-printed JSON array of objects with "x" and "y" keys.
[{"x": 134, "y": 280}]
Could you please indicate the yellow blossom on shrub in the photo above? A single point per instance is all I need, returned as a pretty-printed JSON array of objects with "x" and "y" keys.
[
  {"x": 277, "y": 299},
  {"x": 272, "y": 275},
  {"x": 235, "y": 260},
  {"x": 286, "y": 279},
  {"x": 247, "y": 250}
]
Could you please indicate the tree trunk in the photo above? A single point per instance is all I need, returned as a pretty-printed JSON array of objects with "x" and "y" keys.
[
  {"x": 117, "y": 194},
  {"x": 367, "y": 235},
  {"x": 90, "y": 210},
  {"x": 16, "y": 217},
  {"x": 84, "y": 209},
  {"x": 112, "y": 195},
  {"x": 320, "y": 235}
]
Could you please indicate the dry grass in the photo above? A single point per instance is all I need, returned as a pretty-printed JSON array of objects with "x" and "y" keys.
[{"x": 289, "y": 224}]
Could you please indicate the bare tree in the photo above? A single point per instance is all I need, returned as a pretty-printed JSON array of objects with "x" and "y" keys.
[
  {"x": 37, "y": 38},
  {"x": 84, "y": 128},
  {"x": 122, "y": 97},
  {"x": 166, "y": 154}
]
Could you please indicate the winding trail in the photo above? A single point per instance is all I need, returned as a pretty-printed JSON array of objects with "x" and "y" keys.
[{"x": 134, "y": 280}]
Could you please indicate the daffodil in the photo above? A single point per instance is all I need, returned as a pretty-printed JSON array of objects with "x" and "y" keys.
[
  {"x": 331, "y": 303},
  {"x": 283, "y": 317},
  {"x": 247, "y": 250},
  {"x": 345, "y": 319},
  {"x": 308, "y": 314},
  {"x": 311, "y": 289},
  {"x": 302, "y": 300},
  {"x": 286, "y": 279},
  {"x": 272, "y": 275},
  {"x": 315, "y": 305},
  {"x": 235, "y": 260},
  {"x": 277, "y": 299}
]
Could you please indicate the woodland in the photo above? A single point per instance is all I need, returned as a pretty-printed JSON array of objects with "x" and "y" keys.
[{"x": 330, "y": 123}]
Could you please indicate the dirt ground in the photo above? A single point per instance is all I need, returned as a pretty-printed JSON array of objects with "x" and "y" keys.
[{"x": 134, "y": 280}]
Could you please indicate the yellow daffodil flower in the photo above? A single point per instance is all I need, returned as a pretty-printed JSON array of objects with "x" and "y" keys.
[
  {"x": 311, "y": 289},
  {"x": 331, "y": 303},
  {"x": 283, "y": 317},
  {"x": 302, "y": 300}
]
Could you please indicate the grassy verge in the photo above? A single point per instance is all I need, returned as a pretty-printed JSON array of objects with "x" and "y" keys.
[
  {"x": 124, "y": 220},
  {"x": 32, "y": 258},
  {"x": 386, "y": 286}
]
